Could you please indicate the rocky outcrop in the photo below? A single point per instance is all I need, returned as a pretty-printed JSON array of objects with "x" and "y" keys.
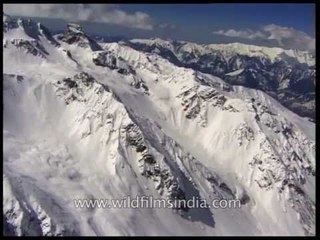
[
  {"x": 75, "y": 35},
  {"x": 33, "y": 47},
  {"x": 73, "y": 88},
  {"x": 164, "y": 181},
  {"x": 244, "y": 134},
  {"x": 196, "y": 101},
  {"x": 108, "y": 59}
]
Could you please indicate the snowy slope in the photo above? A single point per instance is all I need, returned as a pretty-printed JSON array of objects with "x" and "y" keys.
[
  {"x": 287, "y": 75},
  {"x": 109, "y": 121}
]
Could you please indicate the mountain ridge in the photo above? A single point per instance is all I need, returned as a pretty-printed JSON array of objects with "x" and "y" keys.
[
  {"x": 114, "y": 122},
  {"x": 287, "y": 75}
]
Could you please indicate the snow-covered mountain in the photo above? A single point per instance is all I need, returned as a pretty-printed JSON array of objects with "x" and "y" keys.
[
  {"x": 87, "y": 120},
  {"x": 287, "y": 75}
]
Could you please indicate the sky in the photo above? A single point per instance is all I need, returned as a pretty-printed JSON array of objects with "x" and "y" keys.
[{"x": 280, "y": 25}]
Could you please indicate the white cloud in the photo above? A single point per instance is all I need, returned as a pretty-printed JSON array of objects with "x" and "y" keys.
[
  {"x": 290, "y": 37},
  {"x": 248, "y": 34},
  {"x": 100, "y": 13},
  {"x": 282, "y": 36}
]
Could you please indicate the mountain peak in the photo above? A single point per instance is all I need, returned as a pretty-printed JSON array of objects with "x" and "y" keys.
[
  {"x": 75, "y": 28},
  {"x": 26, "y": 29},
  {"x": 74, "y": 34}
]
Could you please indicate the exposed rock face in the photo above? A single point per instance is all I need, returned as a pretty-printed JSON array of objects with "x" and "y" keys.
[
  {"x": 110, "y": 60},
  {"x": 75, "y": 35},
  {"x": 32, "y": 47},
  {"x": 140, "y": 84},
  {"x": 244, "y": 134},
  {"x": 74, "y": 88},
  {"x": 196, "y": 101},
  {"x": 165, "y": 182},
  {"x": 107, "y": 59}
]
